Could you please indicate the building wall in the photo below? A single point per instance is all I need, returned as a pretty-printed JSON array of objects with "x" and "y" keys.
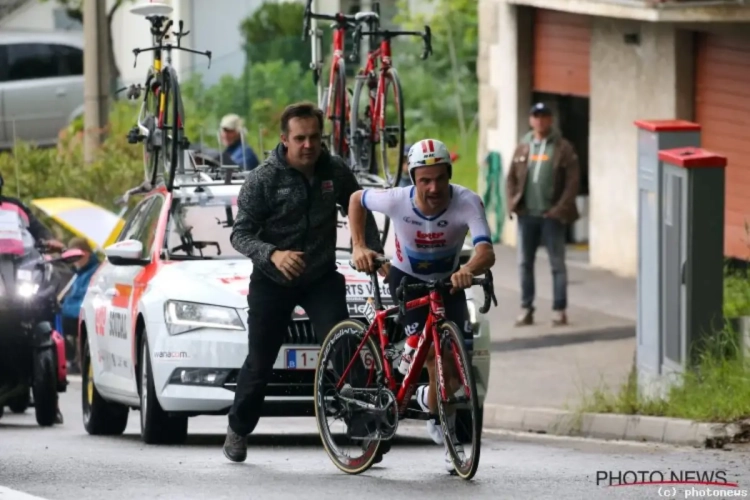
[{"x": 652, "y": 80}]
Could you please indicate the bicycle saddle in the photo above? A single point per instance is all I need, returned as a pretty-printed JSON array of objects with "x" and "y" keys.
[{"x": 365, "y": 16}]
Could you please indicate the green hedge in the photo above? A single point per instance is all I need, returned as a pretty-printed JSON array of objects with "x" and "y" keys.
[{"x": 32, "y": 172}]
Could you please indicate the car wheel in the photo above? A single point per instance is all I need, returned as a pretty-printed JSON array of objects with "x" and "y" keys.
[
  {"x": 462, "y": 431},
  {"x": 157, "y": 427},
  {"x": 45, "y": 387},
  {"x": 100, "y": 417}
]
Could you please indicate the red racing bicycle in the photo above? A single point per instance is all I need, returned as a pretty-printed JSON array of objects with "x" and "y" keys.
[
  {"x": 355, "y": 383},
  {"x": 335, "y": 101},
  {"x": 374, "y": 123}
]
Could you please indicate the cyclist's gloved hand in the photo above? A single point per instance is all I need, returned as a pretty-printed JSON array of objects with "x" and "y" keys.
[{"x": 461, "y": 280}]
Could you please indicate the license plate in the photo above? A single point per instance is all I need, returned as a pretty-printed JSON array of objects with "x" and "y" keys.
[{"x": 301, "y": 359}]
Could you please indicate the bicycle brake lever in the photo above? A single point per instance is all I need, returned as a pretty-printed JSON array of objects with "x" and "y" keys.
[
  {"x": 135, "y": 61},
  {"x": 208, "y": 54}
]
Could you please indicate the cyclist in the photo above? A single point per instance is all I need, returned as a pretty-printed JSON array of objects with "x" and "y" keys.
[{"x": 430, "y": 221}]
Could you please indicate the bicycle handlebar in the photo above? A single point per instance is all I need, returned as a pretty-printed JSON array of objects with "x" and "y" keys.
[
  {"x": 486, "y": 283},
  {"x": 339, "y": 18},
  {"x": 426, "y": 36}
]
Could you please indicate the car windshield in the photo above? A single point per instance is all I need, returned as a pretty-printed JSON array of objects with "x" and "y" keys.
[{"x": 200, "y": 226}]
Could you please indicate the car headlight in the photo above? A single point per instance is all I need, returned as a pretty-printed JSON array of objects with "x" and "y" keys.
[
  {"x": 472, "y": 311},
  {"x": 27, "y": 289},
  {"x": 182, "y": 317}
]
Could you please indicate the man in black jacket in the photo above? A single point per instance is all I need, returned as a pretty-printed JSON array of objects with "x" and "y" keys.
[{"x": 286, "y": 223}]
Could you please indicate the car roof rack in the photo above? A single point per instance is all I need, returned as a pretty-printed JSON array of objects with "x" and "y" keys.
[{"x": 204, "y": 170}]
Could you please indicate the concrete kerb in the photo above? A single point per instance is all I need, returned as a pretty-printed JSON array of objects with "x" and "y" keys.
[{"x": 674, "y": 431}]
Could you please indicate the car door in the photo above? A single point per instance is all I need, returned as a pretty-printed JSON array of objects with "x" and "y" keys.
[
  {"x": 129, "y": 285},
  {"x": 34, "y": 94},
  {"x": 113, "y": 301},
  {"x": 70, "y": 82}
]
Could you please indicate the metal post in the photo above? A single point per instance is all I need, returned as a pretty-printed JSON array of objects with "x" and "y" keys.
[
  {"x": 316, "y": 45},
  {"x": 96, "y": 76}
]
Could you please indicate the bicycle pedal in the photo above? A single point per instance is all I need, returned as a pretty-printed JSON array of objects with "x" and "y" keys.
[{"x": 417, "y": 414}]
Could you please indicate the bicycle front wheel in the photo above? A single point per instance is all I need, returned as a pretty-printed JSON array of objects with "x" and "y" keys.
[
  {"x": 348, "y": 434},
  {"x": 152, "y": 143},
  {"x": 172, "y": 127},
  {"x": 457, "y": 391},
  {"x": 391, "y": 128}
]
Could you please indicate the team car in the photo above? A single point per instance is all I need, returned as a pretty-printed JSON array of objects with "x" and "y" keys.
[{"x": 163, "y": 325}]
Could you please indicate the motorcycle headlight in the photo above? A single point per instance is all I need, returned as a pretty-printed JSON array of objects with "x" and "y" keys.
[
  {"x": 472, "y": 311},
  {"x": 182, "y": 317},
  {"x": 27, "y": 289}
]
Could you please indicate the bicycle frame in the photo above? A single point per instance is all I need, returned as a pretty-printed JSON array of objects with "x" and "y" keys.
[
  {"x": 338, "y": 53},
  {"x": 381, "y": 55},
  {"x": 428, "y": 337}
]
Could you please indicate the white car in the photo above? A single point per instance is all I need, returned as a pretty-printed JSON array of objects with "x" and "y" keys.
[{"x": 163, "y": 326}]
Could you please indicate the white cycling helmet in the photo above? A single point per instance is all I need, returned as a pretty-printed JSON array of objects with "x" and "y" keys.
[{"x": 429, "y": 152}]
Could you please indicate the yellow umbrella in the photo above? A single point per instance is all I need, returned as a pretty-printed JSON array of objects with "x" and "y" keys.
[{"x": 83, "y": 218}]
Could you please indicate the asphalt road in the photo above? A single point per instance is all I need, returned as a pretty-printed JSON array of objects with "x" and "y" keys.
[{"x": 285, "y": 460}]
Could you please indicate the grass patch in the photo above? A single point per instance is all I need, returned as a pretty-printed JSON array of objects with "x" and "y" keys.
[
  {"x": 736, "y": 294},
  {"x": 716, "y": 389}
]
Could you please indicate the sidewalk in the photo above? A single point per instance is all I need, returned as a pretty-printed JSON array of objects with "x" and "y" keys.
[{"x": 552, "y": 367}]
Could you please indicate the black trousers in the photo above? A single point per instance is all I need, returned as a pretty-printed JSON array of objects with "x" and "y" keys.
[
  {"x": 270, "y": 310},
  {"x": 70, "y": 334}
]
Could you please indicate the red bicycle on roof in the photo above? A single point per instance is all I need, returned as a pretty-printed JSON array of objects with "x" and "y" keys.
[
  {"x": 376, "y": 123},
  {"x": 335, "y": 101}
]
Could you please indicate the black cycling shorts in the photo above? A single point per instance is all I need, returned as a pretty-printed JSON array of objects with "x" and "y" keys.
[{"x": 456, "y": 309}]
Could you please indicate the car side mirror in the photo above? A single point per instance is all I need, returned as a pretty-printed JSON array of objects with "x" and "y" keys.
[{"x": 126, "y": 253}]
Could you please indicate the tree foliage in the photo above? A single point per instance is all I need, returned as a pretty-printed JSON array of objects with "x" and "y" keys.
[
  {"x": 273, "y": 33},
  {"x": 441, "y": 91}
]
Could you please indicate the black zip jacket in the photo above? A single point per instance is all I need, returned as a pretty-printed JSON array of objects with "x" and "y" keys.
[{"x": 279, "y": 209}]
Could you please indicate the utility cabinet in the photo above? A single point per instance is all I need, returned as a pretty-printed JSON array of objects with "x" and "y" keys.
[
  {"x": 692, "y": 257},
  {"x": 653, "y": 136}
]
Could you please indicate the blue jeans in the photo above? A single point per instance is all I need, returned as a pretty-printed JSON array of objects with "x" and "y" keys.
[{"x": 532, "y": 233}]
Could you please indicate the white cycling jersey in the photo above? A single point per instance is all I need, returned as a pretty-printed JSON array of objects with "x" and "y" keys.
[{"x": 428, "y": 248}]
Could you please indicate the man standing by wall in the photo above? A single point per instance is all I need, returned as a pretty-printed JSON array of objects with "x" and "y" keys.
[
  {"x": 286, "y": 223},
  {"x": 541, "y": 189}
]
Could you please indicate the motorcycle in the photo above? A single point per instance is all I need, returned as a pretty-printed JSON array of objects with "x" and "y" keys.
[{"x": 32, "y": 351}]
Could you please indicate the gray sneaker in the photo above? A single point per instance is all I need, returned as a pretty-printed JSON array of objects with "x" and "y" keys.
[{"x": 235, "y": 446}]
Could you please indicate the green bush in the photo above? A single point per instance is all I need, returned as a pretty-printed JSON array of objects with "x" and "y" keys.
[
  {"x": 32, "y": 173},
  {"x": 736, "y": 295}
]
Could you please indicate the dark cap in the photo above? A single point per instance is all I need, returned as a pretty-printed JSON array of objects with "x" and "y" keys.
[{"x": 540, "y": 109}]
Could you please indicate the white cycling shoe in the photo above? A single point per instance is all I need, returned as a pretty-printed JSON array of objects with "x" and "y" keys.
[{"x": 434, "y": 430}]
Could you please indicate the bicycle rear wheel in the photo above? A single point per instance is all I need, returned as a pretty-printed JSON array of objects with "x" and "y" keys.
[
  {"x": 460, "y": 395},
  {"x": 360, "y": 128},
  {"x": 360, "y": 433},
  {"x": 339, "y": 113},
  {"x": 392, "y": 129}
]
